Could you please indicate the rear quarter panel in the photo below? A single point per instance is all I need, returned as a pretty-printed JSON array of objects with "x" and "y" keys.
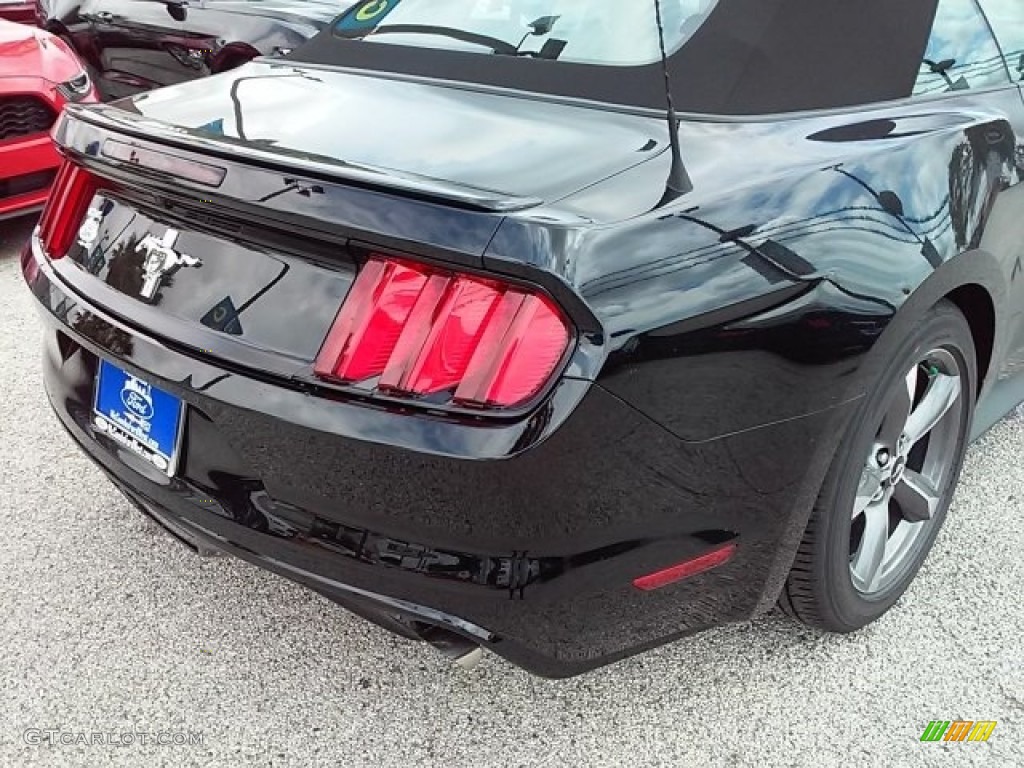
[{"x": 764, "y": 293}]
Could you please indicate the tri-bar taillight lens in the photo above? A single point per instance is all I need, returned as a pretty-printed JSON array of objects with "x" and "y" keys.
[
  {"x": 412, "y": 330},
  {"x": 72, "y": 191}
]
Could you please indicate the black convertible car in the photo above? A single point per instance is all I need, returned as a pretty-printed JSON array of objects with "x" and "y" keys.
[
  {"x": 137, "y": 45},
  {"x": 501, "y": 328}
]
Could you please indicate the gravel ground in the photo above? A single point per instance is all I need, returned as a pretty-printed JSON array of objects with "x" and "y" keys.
[{"x": 108, "y": 625}]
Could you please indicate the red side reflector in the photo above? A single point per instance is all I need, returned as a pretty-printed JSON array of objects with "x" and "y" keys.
[
  {"x": 686, "y": 569},
  {"x": 423, "y": 331},
  {"x": 72, "y": 191}
]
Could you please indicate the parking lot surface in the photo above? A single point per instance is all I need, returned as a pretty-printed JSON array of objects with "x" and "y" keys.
[{"x": 109, "y": 626}]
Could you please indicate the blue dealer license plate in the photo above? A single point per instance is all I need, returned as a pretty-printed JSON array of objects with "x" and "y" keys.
[{"x": 142, "y": 418}]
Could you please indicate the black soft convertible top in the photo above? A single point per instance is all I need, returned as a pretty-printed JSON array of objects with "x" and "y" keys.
[{"x": 749, "y": 57}]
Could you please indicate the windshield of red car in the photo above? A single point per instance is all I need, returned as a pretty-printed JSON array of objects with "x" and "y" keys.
[{"x": 610, "y": 32}]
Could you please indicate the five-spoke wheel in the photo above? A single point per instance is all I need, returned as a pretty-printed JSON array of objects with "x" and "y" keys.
[
  {"x": 909, "y": 462},
  {"x": 892, "y": 479}
]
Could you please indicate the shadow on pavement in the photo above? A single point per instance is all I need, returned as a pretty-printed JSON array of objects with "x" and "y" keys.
[{"x": 14, "y": 233}]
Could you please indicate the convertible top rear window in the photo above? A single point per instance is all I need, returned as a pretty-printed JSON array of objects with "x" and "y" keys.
[{"x": 726, "y": 56}]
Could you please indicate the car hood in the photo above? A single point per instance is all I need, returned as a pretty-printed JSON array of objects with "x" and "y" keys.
[
  {"x": 507, "y": 144},
  {"x": 29, "y": 52}
]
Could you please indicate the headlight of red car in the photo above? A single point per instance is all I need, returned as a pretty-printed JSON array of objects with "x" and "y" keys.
[{"x": 77, "y": 88}]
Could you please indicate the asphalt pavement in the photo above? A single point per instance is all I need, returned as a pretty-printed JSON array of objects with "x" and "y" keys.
[{"x": 108, "y": 627}]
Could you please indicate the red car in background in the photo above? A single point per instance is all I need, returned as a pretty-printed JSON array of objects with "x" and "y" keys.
[
  {"x": 39, "y": 74},
  {"x": 22, "y": 11}
]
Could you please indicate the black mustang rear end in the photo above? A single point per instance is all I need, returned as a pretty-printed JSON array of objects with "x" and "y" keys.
[
  {"x": 372, "y": 411},
  {"x": 455, "y": 359}
]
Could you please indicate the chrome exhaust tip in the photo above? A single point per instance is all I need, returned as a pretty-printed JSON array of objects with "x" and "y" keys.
[
  {"x": 462, "y": 652},
  {"x": 470, "y": 660}
]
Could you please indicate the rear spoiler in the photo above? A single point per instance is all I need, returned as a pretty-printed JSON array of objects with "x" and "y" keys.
[{"x": 106, "y": 116}]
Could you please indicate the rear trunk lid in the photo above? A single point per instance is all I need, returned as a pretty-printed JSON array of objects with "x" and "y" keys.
[
  {"x": 231, "y": 215},
  {"x": 511, "y": 145}
]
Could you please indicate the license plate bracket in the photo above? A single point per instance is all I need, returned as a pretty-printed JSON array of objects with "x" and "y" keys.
[{"x": 139, "y": 416}]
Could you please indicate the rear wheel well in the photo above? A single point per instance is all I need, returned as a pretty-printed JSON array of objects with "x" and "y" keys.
[{"x": 976, "y": 305}]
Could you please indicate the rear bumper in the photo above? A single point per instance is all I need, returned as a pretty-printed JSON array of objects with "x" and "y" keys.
[{"x": 531, "y": 556}]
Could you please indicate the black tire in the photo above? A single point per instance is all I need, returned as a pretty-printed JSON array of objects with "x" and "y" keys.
[{"x": 820, "y": 589}]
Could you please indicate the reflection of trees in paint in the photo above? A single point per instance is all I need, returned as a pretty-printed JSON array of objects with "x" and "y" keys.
[
  {"x": 127, "y": 271},
  {"x": 125, "y": 274},
  {"x": 989, "y": 149},
  {"x": 109, "y": 337}
]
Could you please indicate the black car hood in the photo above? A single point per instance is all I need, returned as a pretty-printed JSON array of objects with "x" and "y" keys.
[{"x": 510, "y": 145}]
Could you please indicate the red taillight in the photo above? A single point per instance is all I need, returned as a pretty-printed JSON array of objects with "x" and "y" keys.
[
  {"x": 686, "y": 569},
  {"x": 72, "y": 191},
  {"x": 421, "y": 330}
]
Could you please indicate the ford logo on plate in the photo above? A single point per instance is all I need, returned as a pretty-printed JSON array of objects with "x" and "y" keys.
[{"x": 136, "y": 398}]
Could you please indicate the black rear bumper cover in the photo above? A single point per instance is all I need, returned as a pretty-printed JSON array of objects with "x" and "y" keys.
[{"x": 532, "y": 556}]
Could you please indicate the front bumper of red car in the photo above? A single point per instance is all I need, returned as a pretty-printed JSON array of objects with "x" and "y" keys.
[{"x": 29, "y": 161}]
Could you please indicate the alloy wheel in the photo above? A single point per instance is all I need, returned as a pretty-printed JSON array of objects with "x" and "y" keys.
[{"x": 906, "y": 472}]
